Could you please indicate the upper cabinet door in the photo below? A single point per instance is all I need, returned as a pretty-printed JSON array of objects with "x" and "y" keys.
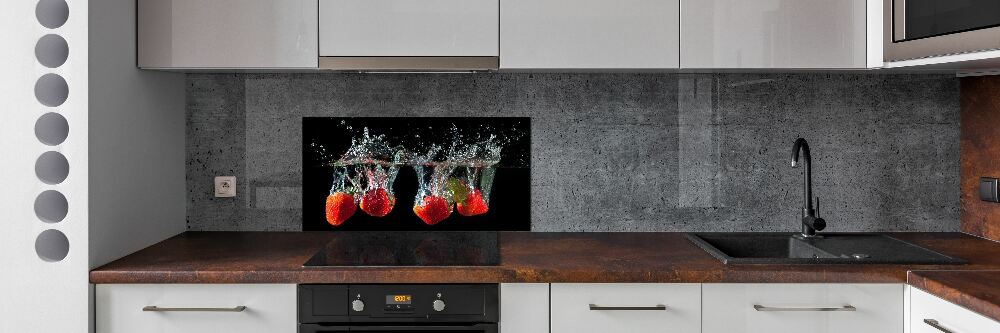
[
  {"x": 589, "y": 34},
  {"x": 409, "y": 28},
  {"x": 227, "y": 34},
  {"x": 774, "y": 34}
]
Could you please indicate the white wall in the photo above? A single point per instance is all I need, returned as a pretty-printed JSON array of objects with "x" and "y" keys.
[
  {"x": 124, "y": 187},
  {"x": 137, "y": 187},
  {"x": 38, "y": 295}
]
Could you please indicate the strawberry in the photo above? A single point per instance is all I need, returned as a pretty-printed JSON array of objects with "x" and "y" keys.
[
  {"x": 432, "y": 209},
  {"x": 377, "y": 202},
  {"x": 340, "y": 206},
  {"x": 474, "y": 204}
]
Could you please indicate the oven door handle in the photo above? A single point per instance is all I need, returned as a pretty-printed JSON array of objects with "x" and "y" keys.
[
  {"x": 315, "y": 328},
  {"x": 401, "y": 327},
  {"x": 431, "y": 328}
]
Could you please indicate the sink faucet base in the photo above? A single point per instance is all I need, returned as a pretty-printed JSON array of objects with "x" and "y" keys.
[{"x": 804, "y": 236}]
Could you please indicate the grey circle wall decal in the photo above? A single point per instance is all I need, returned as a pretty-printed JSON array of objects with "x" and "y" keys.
[
  {"x": 52, "y": 13},
  {"x": 51, "y": 90},
  {"x": 52, "y": 245},
  {"x": 51, "y": 206},
  {"x": 52, "y": 167},
  {"x": 51, "y": 51},
  {"x": 51, "y": 129}
]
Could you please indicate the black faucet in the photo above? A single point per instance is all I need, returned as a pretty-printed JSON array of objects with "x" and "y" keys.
[{"x": 810, "y": 221}]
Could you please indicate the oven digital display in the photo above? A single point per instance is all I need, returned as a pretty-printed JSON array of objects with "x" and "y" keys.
[{"x": 398, "y": 299}]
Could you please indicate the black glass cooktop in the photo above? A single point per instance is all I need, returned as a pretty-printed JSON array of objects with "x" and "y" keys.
[{"x": 409, "y": 249}]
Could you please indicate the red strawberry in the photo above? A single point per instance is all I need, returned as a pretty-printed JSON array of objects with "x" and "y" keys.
[
  {"x": 473, "y": 204},
  {"x": 377, "y": 202},
  {"x": 340, "y": 206},
  {"x": 432, "y": 210}
]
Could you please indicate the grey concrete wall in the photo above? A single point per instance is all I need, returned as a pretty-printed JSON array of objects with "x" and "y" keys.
[{"x": 615, "y": 152}]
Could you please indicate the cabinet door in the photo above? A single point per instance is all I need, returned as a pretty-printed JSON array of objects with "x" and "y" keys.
[
  {"x": 524, "y": 308},
  {"x": 773, "y": 34},
  {"x": 589, "y": 34},
  {"x": 227, "y": 33},
  {"x": 804, "y": 308},
  {"x": 270, "y": 308},
  {"x": 401, "y": 28},
  {"x": 927, "y": 310},
  {"x": 621, "y": 307}
]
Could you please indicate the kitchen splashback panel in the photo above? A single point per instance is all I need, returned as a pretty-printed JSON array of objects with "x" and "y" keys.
[
  {"x": 416, "y": 174},
  {"x": 614, "y": 152}
]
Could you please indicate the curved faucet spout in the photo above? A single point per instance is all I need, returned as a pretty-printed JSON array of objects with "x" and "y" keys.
[
  {"x": 810, "y": 222},
  {"x": 807, "y": 189}
]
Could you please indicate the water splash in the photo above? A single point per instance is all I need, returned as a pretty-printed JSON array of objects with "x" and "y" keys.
[
  {"x": 372, "y": 149},
  {"x": 460, "y": 175},
  {"x": 473, "y": 181}
]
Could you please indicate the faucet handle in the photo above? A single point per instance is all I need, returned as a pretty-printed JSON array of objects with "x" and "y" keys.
[{"x": 817, "y": 206}]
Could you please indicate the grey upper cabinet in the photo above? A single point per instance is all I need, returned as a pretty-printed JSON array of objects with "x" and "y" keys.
[
  {"x": 779, "y": 34},
  {"x": 511, "y": 34},
  {"x": 407, "y": 28},
  {"x": 408, "y": 35},
  {"x": 589, "y": 34},
  {"x": 221, "y": 34}
]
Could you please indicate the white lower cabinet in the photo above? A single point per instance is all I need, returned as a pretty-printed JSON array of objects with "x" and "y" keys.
[
  {"x": 569, "y": 308},
  {"x": 626, "y": 307},
  {"x": 524, "y": 308},
  {"x": 930, "y": 314},
  {"x": 196, "y": 308},
  {"x": 803, "y": 308}
]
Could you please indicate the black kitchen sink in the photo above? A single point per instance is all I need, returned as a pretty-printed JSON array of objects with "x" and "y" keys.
[{"x": 833, "y": 248}]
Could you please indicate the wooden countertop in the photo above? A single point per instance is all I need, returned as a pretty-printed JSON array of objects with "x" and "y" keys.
[
  {"x": 978, "y": 291},
  {"x": 277, "y": 257}
]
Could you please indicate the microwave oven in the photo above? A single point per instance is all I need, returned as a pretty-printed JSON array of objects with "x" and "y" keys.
[{"x": 915, "y": 29}]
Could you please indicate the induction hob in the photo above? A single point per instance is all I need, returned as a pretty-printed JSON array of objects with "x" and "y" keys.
[{"x": 451, "y": 248}]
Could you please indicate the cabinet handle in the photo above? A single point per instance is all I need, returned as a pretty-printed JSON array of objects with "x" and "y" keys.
[
  {"x": 154, "y": 308},
  {"x": 935, "y": 324},
  {"x": 759, "y": 307},
  {"x": 595, "y": 307}
]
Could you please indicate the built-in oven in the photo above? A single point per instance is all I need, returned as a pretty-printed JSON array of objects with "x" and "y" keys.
[
  {"x": 387, "y": 308},
  {"x": 916, "y": 29}
]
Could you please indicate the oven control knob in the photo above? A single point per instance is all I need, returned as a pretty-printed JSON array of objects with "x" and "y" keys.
[
  {"x": 438, "y": 305},
  {"x": 358, "y": 305}
]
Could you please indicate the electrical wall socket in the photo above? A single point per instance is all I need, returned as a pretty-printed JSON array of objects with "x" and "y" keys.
[{"x": 225, "y": 187}]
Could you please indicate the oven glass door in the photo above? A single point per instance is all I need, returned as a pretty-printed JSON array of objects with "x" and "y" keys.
[
  {"x": 930, "y": 18},
  {"x": 474, "y": 328}
]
